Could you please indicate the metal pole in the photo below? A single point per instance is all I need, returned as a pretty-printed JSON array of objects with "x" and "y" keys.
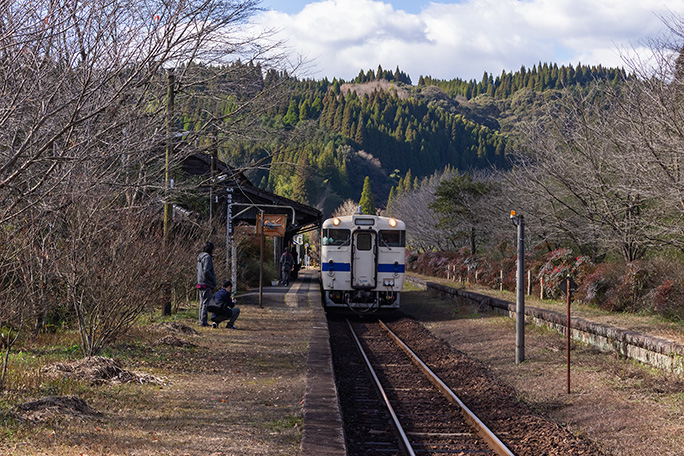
[
  {"x": 261, "y": 261},
  {"x": 230, "y": 244},
  {"x": 567, "y": 327},
  {"x": 229, "y": 226},
  {"x": 233, "y": 265},
  {"x": 212, "y": 171},
  {"x": 520, "y": 295}
]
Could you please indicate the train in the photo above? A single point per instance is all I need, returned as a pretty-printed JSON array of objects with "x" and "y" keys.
[{"x": 362, "y": 263}]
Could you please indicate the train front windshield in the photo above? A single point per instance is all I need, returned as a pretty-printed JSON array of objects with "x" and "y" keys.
[
  {"x": 335, "y": 236},
  {"x": 392, "y": 238}
]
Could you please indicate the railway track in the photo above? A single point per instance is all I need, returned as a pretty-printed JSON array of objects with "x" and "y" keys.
[{"x": 393, "y": 404}]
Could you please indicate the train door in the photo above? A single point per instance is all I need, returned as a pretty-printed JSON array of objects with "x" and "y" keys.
[{"x": 364, "y": 260}]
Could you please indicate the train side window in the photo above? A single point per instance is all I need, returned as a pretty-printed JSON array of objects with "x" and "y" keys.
[
  {"x": 392, "y": 238},
  {"x": 337, "y": 237}
]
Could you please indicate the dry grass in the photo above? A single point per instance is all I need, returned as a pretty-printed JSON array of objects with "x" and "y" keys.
[
  {"x": 225, "y": 393},
  {"x": 240, "y": 392},
  {"x": 626, "y": 408},
  {"x": 651, "y": 324}
]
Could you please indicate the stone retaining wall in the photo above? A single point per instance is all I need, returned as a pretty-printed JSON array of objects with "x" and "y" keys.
[{"x": 660, "y": 353}]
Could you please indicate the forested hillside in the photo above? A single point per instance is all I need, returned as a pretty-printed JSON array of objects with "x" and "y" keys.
[
  {"x": 540, "y": 78},
  {"x": 327, "y": 136}
]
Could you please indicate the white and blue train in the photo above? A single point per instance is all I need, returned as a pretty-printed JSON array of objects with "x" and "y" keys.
[{"x": 362, "y": 262}]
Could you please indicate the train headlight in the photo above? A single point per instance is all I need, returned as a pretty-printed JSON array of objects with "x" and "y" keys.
[
  {"x": 388, "y": 282},
  {"x": 336, "y": 221},
  {"x": 392, "y": 222}
]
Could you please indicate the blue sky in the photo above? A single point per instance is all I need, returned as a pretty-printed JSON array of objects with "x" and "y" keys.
[
  {"x": 295, "y": 6},
  {"x": 461, "y": 39}
]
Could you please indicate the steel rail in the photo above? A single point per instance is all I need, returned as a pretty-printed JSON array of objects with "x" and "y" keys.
[
  {"x": 491, "y": 438},
  {"x": 404, "y": 442}
]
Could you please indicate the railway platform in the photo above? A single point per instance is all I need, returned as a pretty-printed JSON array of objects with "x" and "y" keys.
[
  {"x": 322, "y": 427},
  {"x": 322, "y": 433}
]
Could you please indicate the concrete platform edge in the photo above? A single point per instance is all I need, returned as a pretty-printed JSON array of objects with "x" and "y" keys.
[
  {"x": 322, "y": 433},
  {"x": 654, "y": 351}
]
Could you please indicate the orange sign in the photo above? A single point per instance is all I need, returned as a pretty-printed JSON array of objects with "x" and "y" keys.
[{"x": 273, "y": 224}]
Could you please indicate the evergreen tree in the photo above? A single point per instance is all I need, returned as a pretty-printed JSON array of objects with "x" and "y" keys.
[
  {"x": 407, "y": 184},
  {"x": 304, "y": 111},
  {"x": 300, "y": 191},
  {"x": 292, "y": 116},
  {"x": 455, "y": 203},
  {"x": 366, "y": 201},
  {"x": 336, "y": 87},
  {"x": 389, "y": 200},
  {"x": 360, "y": 135},
  {"x": 316, "y": 107}
]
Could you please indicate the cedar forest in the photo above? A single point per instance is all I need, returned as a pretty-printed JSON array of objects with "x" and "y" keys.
[{"x": 382, "y": 126}]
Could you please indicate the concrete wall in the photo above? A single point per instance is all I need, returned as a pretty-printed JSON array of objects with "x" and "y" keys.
[{"x": 653, "y": 351}]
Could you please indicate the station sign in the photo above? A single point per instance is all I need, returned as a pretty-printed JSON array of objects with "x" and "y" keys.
[{"x": 273, "y": 224}]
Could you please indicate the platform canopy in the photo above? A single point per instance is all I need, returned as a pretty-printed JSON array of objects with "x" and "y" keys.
[{"x": 248, "y": 200}]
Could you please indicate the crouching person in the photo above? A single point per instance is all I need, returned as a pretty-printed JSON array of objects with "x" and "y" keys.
[{"x": 223, "y": 307}]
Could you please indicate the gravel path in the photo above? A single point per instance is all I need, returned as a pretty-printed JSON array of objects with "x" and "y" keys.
[{"x": 621, "y": 406}]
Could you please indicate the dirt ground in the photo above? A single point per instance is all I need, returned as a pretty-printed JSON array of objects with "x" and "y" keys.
[
  {"x": 626, "y": 408},
  {"x": 226, "y": 392}
]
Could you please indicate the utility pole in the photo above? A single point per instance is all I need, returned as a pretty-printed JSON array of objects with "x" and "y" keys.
[
  {"x": 213, "y": 168},
  {"x": 212, "y": 175},
  {"x": 520, "y": 290},
  {"x": 261, "y": 259},
  {"x": 168, "y": 182},
  {"x": 168, "y": 208},
  {"x": 230, "y": 241}
]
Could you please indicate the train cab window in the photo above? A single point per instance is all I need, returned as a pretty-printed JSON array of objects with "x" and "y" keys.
[
  {"x": 364, "y": 241},
  {"x": 336, "y": 237},
  {"x": 392, "y": 238}
]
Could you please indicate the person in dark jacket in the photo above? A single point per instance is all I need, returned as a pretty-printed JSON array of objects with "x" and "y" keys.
[
  {"x": 286, "y": 264},
  {"x": 206, "y": 280},
  {"x": 223, "y": 307}
]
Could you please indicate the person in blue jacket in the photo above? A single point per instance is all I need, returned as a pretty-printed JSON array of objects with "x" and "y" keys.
[{"x": 223, "y": 307}]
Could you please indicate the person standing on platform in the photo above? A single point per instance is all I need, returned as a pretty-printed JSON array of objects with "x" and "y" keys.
[
  {"x": 206, "y": 280},
  {"x": 286, "y": 264}
]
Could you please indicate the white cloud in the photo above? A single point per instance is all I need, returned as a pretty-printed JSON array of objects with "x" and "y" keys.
[{"x": 464, "y": 39}]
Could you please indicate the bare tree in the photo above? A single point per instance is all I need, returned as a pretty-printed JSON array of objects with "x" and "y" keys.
[
  {"x": 85, "y": 80},
  {"x": 651, "y": 113},
  {"x": 576, "y": 177},
  {"x": 83, "y": 129},
  {"x": 349, "y": 207},
  {"x": 414, "y": 207},
  {"x": 28, "y": 289},
  {"x": 603, "y": 170}
]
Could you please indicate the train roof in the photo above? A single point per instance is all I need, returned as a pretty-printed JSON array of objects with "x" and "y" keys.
[{"x": 363, "y": 220}]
